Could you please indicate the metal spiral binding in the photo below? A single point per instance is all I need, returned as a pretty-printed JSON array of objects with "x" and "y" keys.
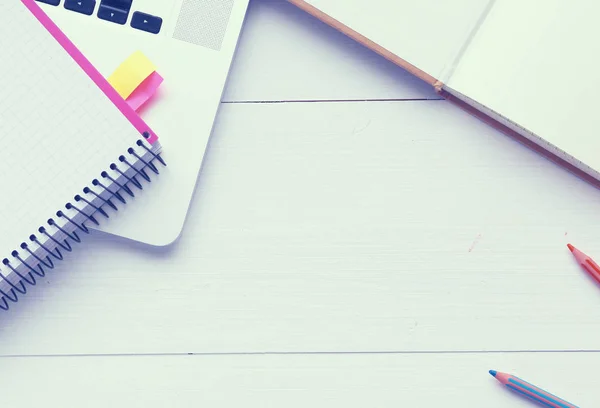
[{"x": 26, "y": 263}]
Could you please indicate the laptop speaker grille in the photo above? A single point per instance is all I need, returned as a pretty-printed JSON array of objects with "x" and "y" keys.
[{"x": 204, "y": 22}]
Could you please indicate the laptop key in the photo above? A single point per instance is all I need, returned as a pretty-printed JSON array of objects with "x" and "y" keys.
[
  {"x": 116, "y": 11},
  {"x": 81, "y": 6},
  {"x": 146, "y": 22},
  {"x": 51, "y": 2},
  {"x": 114, "y": 15}
]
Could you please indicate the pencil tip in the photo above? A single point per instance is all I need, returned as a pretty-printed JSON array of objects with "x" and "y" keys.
[
  {"x": 493, "y": 373},
  {"x": 571, "y": 247}
]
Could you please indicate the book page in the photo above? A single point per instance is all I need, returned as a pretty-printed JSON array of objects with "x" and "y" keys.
[
  {"x": 58, "y": 130},
  {"x": 535, "y": 63},
  {"x": 428, "y": 34}
]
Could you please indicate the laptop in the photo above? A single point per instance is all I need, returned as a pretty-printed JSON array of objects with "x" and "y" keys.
[{"x": 192, "y": 43}]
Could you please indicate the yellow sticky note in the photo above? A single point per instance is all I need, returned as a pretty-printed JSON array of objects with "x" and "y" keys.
[{"x": 131, "y": 73}]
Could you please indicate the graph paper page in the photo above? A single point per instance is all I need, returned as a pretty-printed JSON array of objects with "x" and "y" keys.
[{"x": 58, "y": 130}]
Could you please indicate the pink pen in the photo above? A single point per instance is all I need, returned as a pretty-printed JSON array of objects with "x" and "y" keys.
[{"x": 586, "y": 262}]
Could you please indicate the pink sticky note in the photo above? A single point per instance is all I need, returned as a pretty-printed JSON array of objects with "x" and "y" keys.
[{"x": 144, "y": 91}]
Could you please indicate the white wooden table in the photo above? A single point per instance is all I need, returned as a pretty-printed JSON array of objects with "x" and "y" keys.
[{"x": 354, "y": 241}]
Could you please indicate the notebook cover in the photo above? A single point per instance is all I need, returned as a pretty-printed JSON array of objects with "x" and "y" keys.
[{"x": 90, "y": 70}]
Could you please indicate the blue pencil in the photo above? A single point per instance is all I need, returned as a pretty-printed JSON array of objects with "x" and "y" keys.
[{"x": 531, "y": 391}]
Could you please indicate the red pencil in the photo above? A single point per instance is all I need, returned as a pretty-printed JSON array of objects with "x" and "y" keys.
[{"x": 586, "y": 262}]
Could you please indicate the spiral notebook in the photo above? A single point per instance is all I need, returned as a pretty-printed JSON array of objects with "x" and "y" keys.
[{"x": 71, "y": 149}]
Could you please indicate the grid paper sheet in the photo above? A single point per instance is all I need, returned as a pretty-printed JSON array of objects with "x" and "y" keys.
[{"x": 58, "y": 130}]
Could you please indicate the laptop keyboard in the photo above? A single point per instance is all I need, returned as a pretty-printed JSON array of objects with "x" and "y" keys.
[{"x": 115, "y": 11}]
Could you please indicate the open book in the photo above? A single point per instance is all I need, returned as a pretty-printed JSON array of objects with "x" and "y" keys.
[{"x": 524, "y": 66}]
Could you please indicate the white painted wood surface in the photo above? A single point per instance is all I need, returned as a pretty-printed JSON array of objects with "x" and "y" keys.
[
  {"x": 295, "y": 381},
  {"x": 386, "y": 226},
  {"x": 285, "y": 54},
  {"x": 328, "y": 227}
]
